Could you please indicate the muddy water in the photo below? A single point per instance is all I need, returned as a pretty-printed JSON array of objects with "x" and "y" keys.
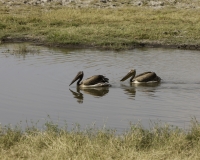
[{"x": 35, "y": 86}]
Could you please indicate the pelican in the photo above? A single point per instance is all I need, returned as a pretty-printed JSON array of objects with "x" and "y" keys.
[
  {"x": 94, "y": 81},
  {"x": 146, "y": 77}
]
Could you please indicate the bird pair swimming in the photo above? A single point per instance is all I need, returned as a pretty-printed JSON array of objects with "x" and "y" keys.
[{"x": 102, "y": 81}]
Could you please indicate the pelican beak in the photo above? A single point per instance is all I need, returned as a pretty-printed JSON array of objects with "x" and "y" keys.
[
  {"x": 129, "y": 74},
  {"x": 76, "y": 78}
]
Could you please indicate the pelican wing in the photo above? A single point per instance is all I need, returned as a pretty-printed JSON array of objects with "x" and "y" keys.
[
  {"x": 145, "y": 77},
  {"x": 95, "y": 80}
]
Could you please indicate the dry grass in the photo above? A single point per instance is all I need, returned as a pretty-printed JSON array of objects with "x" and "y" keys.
[{"x": 158, "y": 142}]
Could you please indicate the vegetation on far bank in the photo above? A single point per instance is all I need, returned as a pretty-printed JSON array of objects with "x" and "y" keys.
[
  {"x": 104, "y": 27},
  {"x": 158, "y": 142}
]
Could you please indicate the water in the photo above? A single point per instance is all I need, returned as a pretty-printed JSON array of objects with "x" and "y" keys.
[{"x": 35, "y": 86}]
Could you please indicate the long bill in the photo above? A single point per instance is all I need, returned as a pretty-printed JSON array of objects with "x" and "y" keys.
[
  {"x": 78, "y": 76},
  {"x": 129, "y": 74}
]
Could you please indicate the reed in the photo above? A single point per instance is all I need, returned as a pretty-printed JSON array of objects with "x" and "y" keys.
[
  {"x": 53, "y": 142},
  {"x": 105, "y": 27},
  {"x": 22, "y": 49}
]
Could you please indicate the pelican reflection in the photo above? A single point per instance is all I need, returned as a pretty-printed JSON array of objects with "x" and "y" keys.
[
  {"x": 78, "y": 96},
  {"x": 148, "y": 88},
  {"x": 130, "y": 91},
  {"x": 150, "y": 85},
  {"x": 95, "y": 92}
]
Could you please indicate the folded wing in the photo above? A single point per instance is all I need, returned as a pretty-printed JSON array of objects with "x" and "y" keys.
[
  {"x": 146, "y": 77},
  {"x": 95, "y": 80}
]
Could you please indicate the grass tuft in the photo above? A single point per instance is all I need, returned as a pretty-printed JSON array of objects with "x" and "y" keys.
[{"x": 54, "y": 142}]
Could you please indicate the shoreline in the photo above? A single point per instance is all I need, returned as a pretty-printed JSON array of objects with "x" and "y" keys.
[{"x": 87, "y": 46}]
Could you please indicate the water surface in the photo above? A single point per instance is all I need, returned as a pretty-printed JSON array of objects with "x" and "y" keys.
[{"x": 36, "y": 85}]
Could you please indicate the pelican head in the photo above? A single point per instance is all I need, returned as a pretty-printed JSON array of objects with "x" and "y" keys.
[
  {"x": 132, "y": 73},
  {"x": 78, "y": 76}
]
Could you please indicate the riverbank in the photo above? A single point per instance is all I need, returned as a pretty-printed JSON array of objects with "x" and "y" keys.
[
  {"x": 158, "y": 142},
  {"x": 124, "y": 27}
]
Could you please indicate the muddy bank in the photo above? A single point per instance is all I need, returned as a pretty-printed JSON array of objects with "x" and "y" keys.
[{"x": 136, "y": 45}]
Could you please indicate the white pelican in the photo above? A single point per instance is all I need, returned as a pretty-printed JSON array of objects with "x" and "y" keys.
[
  {"x": 146, "y": 77},
  {"x": 94, "y": 81}
]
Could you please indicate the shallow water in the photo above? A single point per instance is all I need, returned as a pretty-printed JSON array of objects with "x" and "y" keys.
[{"x": 36, "y": 85}]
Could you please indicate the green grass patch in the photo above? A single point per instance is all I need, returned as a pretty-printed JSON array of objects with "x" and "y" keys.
[{"x": 123, "y": 27}]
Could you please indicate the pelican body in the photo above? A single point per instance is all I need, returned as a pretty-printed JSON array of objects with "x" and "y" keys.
[
  {"x": 146, "y": 77},
  {"x": 94, "y": 81}
]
